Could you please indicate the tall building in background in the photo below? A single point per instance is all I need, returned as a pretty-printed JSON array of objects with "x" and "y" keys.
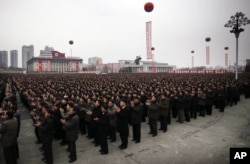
[
  {"x": 3, "y": 58},
  {"x": 95, "y": 61},
  {"x": 13, "y": 59},
  {"x": 27, "y": 54}
]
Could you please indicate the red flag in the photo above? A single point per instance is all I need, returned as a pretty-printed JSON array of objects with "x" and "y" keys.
[{"x": 56, "y": 54}]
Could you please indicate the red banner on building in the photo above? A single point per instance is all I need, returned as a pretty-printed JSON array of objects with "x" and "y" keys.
[
  {"x": 56, "y": 54},
  {"x": 40, "y": 66},
  {"x": 70, "y": 66},
  {"x": 77, "y": 66},
  {"x": 49, "y": 66}
]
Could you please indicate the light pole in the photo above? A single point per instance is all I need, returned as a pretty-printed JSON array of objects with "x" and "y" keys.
[{"x": 235, "y": 23}]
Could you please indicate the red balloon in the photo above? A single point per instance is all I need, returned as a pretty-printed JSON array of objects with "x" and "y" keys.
[
  {"x": 208, "y": 39},
  {"x": 148, "y": 7},
  {"x": 152, "y": 48},
  {"x": 226, "y": 48},
  {"x": 71, "y": 42},
  {"x": 192, "y": 51}
]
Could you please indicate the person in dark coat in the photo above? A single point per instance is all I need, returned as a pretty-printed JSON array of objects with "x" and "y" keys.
[
  {"x": 153, "y": 114},
  {"x": 96, "y": 113},
  {"x": 123, "y": 115},
  {"x": 88, "y": 110},
  {"x": 136, "y": 118},
  {"x": 46, "y": 129},
  {"x": 103, "y": 122},
  {"x": 201, "y": 103},
  {"x": 221, "y": 98},
  {"x": 188, "y": 99},
  {"x": 209, "y": 101},
  {"x": 113, "y": 121},
  {"x": 194, "y": 105},
  {"x": 71, "y": 127},
  {"x": 8, "y": 129},
  {"x": 81, "y": 114},
  {"x": 180, "y": 105},
  {"x": 164, "y": 111}
]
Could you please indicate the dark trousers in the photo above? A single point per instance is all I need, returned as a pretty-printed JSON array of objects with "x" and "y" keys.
[
  {"x": 124, "y": 139},
  {"x": 47, "y": 147},
  {"x": 112, "y": 132},
  {"x": 180, "y": 116},
  {"x": 96, "y": 133},
  {"x": 209, "y": 109},
  {"x": 103, "y": 142},
  {"x": 186, "y": 114},
  {"x": 72, "y": 149},
  {"x": 153, "y": 126},
  {"x": 10, "y": 154},
  {"x": 82, "y": 125},
  {"x": 17, "y": 150},
  {"x": 37, "y": 134},
  {"x": 201, "y": 110},
  {"x": 137, "y": 132},
  {"x": 193, "y": 112},
  {"x": 89, "y": 129},
  {"x": 164, "y": 123}
]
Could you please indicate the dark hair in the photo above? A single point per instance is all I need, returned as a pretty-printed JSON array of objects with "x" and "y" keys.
[
  {"x": 105, "y": 106},
  {"x": 71, "y": 104},
  {"x": 10, "y": 114}
]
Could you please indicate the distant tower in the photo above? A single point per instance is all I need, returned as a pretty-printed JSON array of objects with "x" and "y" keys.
[
  {"x": 27, "y": 54},
  {"x": 150, "y": 49},
  {"x": 13, "y": 59},
  {"x": 3, "y": 58}
]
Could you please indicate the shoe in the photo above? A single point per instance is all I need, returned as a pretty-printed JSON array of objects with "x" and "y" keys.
[
  {"x": 164, "y": 131},
  {"x": 112, "y": 140},
  {"x": 100, "y": 150},
  {"x": 137, "y": 142},
  {"x": 133, "y": 140},
  {"x": 93, "y": 142},
  {"x": 103, "y": 153},
  {"x": 43, "y": 159},
  {"x": 67, "y": 149},
  {"x": 63, "y": 144},
  {"x": 69, "y": 156},
  {"x": 96, "y": 145},
  {"x": 83, "y": 133},
  {"x": 154, "y": 135},
  {"x": 72, "y": 160},
  {"x": 120, "y": 146},
  {"x": 123, "y": 147},
  {"x": 150, "y": 133},
  {"x": 38, "y": 142},
  {"x": 160, "y": 129}
]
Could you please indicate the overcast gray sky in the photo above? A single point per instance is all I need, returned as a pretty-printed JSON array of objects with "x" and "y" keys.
[{"x": 115, "y": 29}]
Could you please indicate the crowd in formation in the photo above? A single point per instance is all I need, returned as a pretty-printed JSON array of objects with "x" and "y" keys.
[{"x": 102, "y": 106}]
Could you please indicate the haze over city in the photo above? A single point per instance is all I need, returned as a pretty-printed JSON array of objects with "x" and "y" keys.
[{"x": 116, "y": 30}]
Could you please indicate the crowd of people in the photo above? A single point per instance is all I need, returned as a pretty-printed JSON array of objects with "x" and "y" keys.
[{"x": 100, "y": 106}]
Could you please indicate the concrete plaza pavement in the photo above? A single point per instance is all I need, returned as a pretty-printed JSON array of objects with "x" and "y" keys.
[{"x": 201, "y": 141}]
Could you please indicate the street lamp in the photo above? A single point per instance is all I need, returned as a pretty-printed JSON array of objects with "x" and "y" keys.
[{"x": 235, "y": 23}]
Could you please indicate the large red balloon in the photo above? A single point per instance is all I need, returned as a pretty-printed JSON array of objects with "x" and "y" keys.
[
  {"x": 226, "y": 48},
  {"x": 71, "y": 42},
  {"x": 148, "y": 7},
  {"x": 152, "y": 48}
]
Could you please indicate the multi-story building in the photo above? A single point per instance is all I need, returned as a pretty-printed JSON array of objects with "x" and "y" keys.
[
  {"x": 14, "y": 59},
  {"x": 3, "y": 58},
  {"x": 27, "y": 54},
  {"x": 95, "y": 61},
  {"x": 55, "y": 62}
]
